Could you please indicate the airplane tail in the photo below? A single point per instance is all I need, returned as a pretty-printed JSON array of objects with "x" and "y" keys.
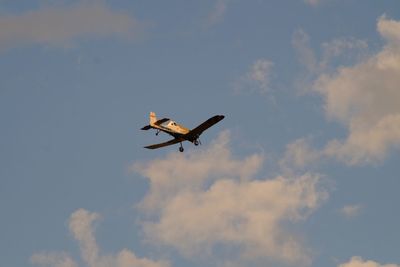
[
  {"x": 154, "y": 123},
  {"x": 153, "y": 118}
]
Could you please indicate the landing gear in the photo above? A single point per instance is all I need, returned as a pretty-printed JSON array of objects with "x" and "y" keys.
[
  {"x": 158, "y": 131},
  {"x": 196, "y": 141},
  {"x": 181, "y": 149}
]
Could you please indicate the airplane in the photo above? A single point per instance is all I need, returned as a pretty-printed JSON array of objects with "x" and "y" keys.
[{"x": 179, "y": 132}]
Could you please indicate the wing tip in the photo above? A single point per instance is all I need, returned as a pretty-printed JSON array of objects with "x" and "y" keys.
[
  {"x": 150, "y": 147},
  {"x": 219, "y": 117}
]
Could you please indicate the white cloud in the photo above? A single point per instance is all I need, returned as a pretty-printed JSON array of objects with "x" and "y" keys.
[
  {"x": 201, "y": 201},
  {"x": 389, "y": 29},
  {"x": 193, "y": 171},
  {"x": 257, "y": 78},
  {"x": 59, "y": 25},
  {"x": 351, "y": 211},
  {"x": 81, "y": 226},
  {"x": 366, "y": 99},
  {"x": 359, "y": 262}
]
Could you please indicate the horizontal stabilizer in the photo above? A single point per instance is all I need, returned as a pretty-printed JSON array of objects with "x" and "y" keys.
[{"x": 147, "y": 127}]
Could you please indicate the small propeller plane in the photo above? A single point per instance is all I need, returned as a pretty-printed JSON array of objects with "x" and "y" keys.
[{"x": 179, "y": 132}]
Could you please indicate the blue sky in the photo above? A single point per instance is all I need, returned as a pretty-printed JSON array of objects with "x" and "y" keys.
[{"x": 303, "y": 170}]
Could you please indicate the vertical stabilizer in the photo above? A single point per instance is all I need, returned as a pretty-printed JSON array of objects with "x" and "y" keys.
[{"x": 153, "y": 118}]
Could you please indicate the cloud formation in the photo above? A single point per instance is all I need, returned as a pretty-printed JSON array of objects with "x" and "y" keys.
[
  {"x": 208, "y": 199},
  {"x": 59, "y": 25},
  {"x": 82, "y": 228},
  {"x": 366, "y": 99},
  {"x": 359, "y": 262},
  {"x": 258, "y": 78}
]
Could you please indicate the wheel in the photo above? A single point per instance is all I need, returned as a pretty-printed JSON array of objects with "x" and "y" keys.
[
  {"x": 196, "y": 142},
  {"x": 181, "y": 149}
]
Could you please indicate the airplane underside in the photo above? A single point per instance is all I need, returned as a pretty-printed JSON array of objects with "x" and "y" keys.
[{"x": 196, "y": 140}]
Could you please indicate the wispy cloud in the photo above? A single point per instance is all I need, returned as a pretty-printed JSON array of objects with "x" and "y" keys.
[
  {"x": 299, "y": 155},
  {"x": 306, "y": 56},
  {"x": 339, "y": 47},
  {"x": 351, "y": 211},
  {"x": 81, "y": 225},
  {"x": 257, "y": 79},
  {"x": 217, "y": 13},
  {"x": 359, "y": 262},
  {"x": 53, "y": 259},
  {"x": 200, "y": 201},
  {"x": 60, "y": 25},
  {"x": 348, "y": 47}
]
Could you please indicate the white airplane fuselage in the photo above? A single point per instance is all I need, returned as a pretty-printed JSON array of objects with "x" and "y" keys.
[{"x": 172, "y": 128}]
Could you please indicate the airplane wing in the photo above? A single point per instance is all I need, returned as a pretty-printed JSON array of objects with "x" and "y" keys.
[
  {"x": 168, "y": 143},
  {"x": 204, "y": 126}
]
